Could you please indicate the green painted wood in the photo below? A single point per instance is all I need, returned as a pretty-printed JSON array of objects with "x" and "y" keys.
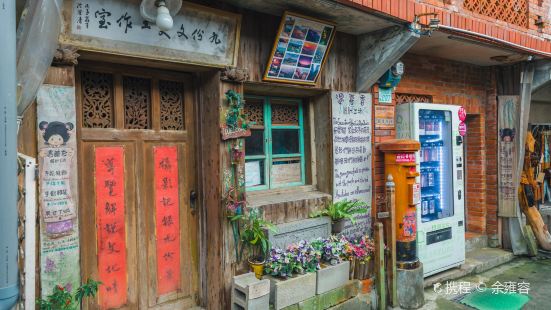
[{"x": 268, "y": 156}]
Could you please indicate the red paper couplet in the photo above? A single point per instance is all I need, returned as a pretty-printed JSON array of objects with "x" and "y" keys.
[
  {"x": 167, "y": 219},
  {"x": 111, "y": 226}
]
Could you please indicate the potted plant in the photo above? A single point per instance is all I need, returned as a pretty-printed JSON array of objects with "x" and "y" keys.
[
  {"x": 63, "y": 298},
  {"x": 341, "y": 211},
  {"x": 254, "y": 237},
  {"x": 359, "y": 252}
]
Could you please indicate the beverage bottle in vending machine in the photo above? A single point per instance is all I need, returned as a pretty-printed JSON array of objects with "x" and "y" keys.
[
  {"x": 424, "y": 207},
  {"x": 421, "y": 126},
  {"x": 432, "y": 205},
  {"x": 428, "y": 127},
  {"x": 436, "y": 127}
]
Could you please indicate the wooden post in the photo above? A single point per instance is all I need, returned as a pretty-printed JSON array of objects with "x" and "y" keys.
[
  {"x": 380, "y": 265},
  {"x": 391, "y": 240}
]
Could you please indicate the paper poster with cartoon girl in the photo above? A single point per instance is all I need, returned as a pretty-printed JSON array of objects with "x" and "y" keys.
[
  {"x": 56, "y": 158},
  {"x": 57, "y": 162}
]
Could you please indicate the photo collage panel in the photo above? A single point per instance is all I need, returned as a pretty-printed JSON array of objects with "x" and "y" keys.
[{"x": 300, "y": 50}]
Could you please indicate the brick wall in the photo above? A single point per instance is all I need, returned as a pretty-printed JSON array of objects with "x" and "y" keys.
[
  {"x": 535, "y": 8},
  {"x": 473, "y": 87}
]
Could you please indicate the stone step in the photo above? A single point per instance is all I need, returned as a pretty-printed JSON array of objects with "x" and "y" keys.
[
  {"x": 476, "y": 261},
  {"x": 475, "y": 241}
]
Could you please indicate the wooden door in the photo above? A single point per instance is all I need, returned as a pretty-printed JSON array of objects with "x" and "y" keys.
[{"x": 137, "y": 170}]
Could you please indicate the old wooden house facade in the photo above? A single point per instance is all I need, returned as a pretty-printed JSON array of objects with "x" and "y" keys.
[{"x": 148, "y": 164}]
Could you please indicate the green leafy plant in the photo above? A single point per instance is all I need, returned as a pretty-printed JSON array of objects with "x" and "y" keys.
[
  {"x": 253, "y": 234},
  {"x": 344, "y": 209},
  {"x": 62, "y": 299}
]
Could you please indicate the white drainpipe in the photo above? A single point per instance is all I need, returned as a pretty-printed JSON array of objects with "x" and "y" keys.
[{"x": 9, "y": 287}]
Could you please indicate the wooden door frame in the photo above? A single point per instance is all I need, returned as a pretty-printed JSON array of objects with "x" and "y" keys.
[{"x": 140, "y": 137}]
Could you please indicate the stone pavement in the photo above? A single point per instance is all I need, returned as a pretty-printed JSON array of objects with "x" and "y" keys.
[{"x": 535, "y": 271}]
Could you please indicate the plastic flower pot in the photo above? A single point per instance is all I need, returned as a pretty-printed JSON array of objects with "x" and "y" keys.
[
  {"x": 337, "y": 226},
  {"x": 257, "y": 267}
]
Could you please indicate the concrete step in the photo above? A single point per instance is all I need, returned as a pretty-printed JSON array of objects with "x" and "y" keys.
[
  {"x": 475, "y": 241},
  {"x": 476, "y": 261}
]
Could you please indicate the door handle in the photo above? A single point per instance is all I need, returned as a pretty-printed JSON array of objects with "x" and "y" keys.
[{"x": 192, "y": 201}]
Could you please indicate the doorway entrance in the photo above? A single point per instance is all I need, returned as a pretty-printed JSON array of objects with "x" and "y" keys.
[{"x": 137, "y": 183}]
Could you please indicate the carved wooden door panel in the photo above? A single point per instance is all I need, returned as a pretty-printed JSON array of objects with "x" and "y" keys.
[{"x": 137, "y": 162}]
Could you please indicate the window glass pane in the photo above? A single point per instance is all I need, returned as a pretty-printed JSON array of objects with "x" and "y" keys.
[
  {"x": 285, "y": 141},
  {"x": 254, "y": 173},
  {"x": 286, "y": 170},
  {"x": 254, "y": 145},
  {"x": 284, "y": 114}
]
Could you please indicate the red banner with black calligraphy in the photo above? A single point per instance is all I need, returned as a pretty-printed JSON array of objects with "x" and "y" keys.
[
  {"x": 110, "y": 217},
  {"x": 167, "y": 219}
]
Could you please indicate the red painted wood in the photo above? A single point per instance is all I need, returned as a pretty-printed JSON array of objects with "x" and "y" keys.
[
  {"x": 111, "y": 234},
  {"x": 167, "y": 221}
]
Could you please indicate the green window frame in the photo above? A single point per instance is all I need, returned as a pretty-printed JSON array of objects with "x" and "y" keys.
[{"x": 268, "y": 158}]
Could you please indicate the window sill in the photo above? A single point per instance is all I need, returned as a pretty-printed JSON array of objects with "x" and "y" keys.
[{"x": 287, "y": 205}]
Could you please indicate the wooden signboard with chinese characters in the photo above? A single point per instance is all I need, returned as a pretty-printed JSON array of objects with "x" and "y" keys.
[
  {"x": 200, "y": 35},
  {"x": 58, "y": 194}
]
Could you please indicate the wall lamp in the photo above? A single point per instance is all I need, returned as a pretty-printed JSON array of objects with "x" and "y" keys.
[
  {"x": 425, "y": 29},
  {"x": 160, "y": 12}
]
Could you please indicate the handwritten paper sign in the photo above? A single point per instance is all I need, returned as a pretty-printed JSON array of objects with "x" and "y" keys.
[
  {"x": 59, "y": 238},
  {"x": 167, "y": 219},
  {"x": 110, "y": 221},
  {"x": 199, "y": 35},
  {"x": 300, "y": 49},
  {"x": 507, "y": 154},
  {"x": 352, "y": 175}
]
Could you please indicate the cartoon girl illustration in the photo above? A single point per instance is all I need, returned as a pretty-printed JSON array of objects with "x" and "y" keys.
[{"x": 55, "y": 194}]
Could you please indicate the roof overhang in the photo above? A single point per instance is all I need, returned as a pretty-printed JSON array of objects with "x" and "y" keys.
[{"x": 348, "y": 19}]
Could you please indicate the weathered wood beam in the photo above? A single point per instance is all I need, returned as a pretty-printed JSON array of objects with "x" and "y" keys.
[{"x": 378, "y": 51}]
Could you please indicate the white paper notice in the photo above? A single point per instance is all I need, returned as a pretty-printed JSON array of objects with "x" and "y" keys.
[
  {"x": 352, "y": 155},
  {"x": 252, "y": 173}
]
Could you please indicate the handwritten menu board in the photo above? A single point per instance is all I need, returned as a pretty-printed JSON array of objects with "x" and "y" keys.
[
  {"x": 300, "y": 49},
  {"x": 167, "y": 219},
  {"x": 352, "y": 177},
  {"x": 58, "y": 180},
  {"x": 110, "y": 221}
]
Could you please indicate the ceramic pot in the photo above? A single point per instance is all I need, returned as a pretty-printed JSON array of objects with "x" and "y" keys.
[
  {"x": 337, "y": 226},
  {"x": 257, "y": 268}
]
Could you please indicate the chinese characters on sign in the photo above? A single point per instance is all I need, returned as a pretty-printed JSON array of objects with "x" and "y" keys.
[
  {"x": 197, "y": 31},
  {"x": 59, "y": 240},
  {"x": 352, "y": 154},
  {"x": 384, "y": 117},
  {"x": 301, "y": 46},
  {"x": 167, "y": 208},
  {"x": 110, "y": 222},
  {"x": 507, "y": 119}
]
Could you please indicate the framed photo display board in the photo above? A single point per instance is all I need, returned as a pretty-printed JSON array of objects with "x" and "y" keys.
[{"x": 300, "y": 49}]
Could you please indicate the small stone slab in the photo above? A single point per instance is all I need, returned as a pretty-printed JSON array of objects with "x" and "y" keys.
[
  {"x": 332, "y": 277},
  {"x": 284, "y": 293},
  {"x": 293, "y": 232}
]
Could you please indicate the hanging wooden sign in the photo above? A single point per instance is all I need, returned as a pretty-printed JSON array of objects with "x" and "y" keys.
[
  {"x": 167, "y": 221},
  {"x": 234, "y": 123},
  {"x": 111, "y": 226},
  {"x": 300, "y": 49},
  {"x": 507, "y": 155},
  {"x": 59, "y": 238}
]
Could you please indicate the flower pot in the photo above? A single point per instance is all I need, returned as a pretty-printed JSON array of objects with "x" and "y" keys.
[
  {"x": 337, "y": 226},
  {"x": 257, "y": 268}
]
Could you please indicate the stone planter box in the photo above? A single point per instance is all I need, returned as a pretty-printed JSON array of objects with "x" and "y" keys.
[
  {"x": 284, "y": 293},
  {"x": 331, "y": 277},
  {"x": 249, "y": 293}
]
